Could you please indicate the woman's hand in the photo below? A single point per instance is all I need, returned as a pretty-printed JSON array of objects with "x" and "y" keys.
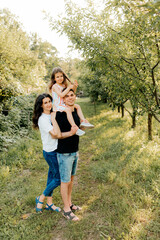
[{"x": 74, "y": 130}]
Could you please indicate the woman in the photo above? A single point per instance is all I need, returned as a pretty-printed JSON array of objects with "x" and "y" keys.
[{"x": 49, "y": 134}]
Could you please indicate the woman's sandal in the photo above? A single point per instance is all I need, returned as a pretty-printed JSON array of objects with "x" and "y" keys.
[
  {"x": 77, "y": 208},
  {"x": 37, "y": 201},
  {"x": 68, "y": 216},
  {"x": 49, "y": 207}
]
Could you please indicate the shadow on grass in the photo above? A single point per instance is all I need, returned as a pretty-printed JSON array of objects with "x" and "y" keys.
[
  {"x": 116, "y": 183},
  {"x": 121, "y": 199}
]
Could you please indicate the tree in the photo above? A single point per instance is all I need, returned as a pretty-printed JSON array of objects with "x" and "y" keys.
[
  {"x": 127, "y": 46},
  {"x": 20, "y": 70},
  {"x": 46, "y": 52}
]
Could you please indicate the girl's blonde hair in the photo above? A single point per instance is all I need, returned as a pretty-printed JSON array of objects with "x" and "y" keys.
[{"x": 54, "y": 71}]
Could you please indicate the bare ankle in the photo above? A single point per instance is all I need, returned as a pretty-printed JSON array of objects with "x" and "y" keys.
[{"x": 67, "y": 209}]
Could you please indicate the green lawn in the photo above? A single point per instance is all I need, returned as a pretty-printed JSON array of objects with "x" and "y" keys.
[{"x": 117, "y": 184}]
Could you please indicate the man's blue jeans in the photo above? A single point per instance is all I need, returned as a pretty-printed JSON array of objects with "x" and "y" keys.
[{"x": 53, "y": 180}]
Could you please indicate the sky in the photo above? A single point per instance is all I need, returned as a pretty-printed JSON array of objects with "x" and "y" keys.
[{"x": 29, "y": 13}]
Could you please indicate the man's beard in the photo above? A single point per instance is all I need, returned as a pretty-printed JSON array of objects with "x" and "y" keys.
[{"x": 70, "y": 104}]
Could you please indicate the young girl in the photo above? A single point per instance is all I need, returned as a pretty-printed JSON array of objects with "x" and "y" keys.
[{"x": 57, "y": 84}]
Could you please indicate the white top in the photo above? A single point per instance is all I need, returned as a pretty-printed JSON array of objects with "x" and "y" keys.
[
  {"x": 58, "y": 104},
  {"x": 45, "y": 125}
]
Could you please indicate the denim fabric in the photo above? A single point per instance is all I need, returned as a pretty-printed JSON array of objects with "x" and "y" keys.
[
  {"x": 53, "y": 180},
  {"x": 67, "y": 165}
]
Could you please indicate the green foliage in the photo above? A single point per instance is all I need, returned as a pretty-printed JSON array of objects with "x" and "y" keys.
[
  {"x": 72, "y": 68},
  {"x": 16, "y": 121},
  {"x": 120, "y": 43},
  {"x": 151, "y": 7},
  {"x": 46, "y": 53},
  {"x": 20, "y": 69},
  {"x": 93, "y": 84}
]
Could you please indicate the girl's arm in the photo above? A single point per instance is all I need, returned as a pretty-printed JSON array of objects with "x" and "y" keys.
[
  {"x": 75, "y": 85},
  {"x": 62, "y": 94}
]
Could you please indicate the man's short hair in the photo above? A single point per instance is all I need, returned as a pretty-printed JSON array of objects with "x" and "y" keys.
[{"x": 69, "y": 90}]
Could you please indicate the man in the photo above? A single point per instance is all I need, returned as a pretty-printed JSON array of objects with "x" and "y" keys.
[{"x": 67, "y": 154}]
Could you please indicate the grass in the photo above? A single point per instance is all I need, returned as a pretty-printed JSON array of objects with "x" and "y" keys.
[{"x": 117, "y": 184}]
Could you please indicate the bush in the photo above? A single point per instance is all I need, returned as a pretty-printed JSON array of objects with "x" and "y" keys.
[{"x": 15, "y": 121}]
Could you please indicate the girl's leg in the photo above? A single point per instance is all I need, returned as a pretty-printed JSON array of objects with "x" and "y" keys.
[
  {"x": 80, "y": 113},
  {"x": 72, "y": 122},
  {"x": 70, "y": 117},
  {"x": 84, "y": 122}
]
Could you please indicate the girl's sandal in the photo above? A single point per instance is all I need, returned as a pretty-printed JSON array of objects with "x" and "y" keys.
[
  {"x": 37, "y": 201},
  {"x": 69, "y": 216}
]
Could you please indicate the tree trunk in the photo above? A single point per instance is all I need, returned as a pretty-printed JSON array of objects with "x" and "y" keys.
[
  {"x": 105, "y": 100},
  {"x": 122, "y": 108},
  {"x": 119, "y": 108},
  {"x": 133, "y": 119},
  {"x": 95, "y": 110},
  {"x": 150, "y": 126}
]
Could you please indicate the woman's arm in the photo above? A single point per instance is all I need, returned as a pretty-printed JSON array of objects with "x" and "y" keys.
[
  {"x": 70, "y": 133},
  {"x": 55, "y": 132},
  {"x": 62, "y": 94},
  {"x": 64, "y": 134}
]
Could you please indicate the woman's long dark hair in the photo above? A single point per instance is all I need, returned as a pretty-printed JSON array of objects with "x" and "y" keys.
[
  {"x": 54, "y": 71},
  {"x": 37, "y": 112}
]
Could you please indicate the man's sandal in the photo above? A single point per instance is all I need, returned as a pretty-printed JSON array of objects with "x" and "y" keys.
[
  {"x": 69, "y": 217},
  {"x": 37, "y": 201},
  {"x": 72, "y": 207},
  {"x": 49, "y": 207}
]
